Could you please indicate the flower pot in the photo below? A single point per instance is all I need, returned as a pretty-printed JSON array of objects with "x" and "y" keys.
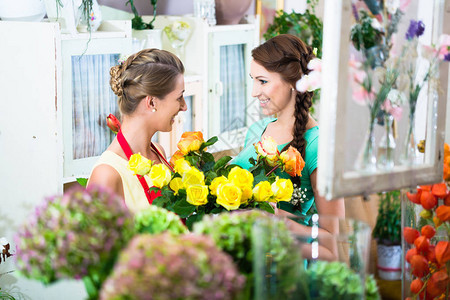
[
  {"x": 147, "y": 38},
  {"x": 22, "y": 10},
  {"x": 389, "y": 262},
  {"x": 229, "y": 12}
]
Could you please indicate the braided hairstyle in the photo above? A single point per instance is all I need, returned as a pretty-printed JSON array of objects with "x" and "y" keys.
[
  {"x": 150, "y": 72},
  {"x": 289, "y": 56}
]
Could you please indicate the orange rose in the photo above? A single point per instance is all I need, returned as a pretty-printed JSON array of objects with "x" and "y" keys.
[
  {"x": 443, "y": 213},
  {"x": 176, "y": 156},
  {"x": 293, "y": 161},
  {"x": 442, "y": 251},
  {"x": 190, "y": 141}
]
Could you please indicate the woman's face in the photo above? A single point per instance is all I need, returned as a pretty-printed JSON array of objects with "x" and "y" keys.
[
  {"x": 274, "y": 94},
  {"x": 171, "y": 105}
]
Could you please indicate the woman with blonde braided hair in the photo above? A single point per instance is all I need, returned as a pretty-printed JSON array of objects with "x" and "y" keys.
[
  {"x": 276, "y": 67},
  {"x": 149, "y": 86}
]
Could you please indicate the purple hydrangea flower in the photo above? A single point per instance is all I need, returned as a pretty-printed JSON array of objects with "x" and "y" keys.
[{"x": 415, "y": 29}]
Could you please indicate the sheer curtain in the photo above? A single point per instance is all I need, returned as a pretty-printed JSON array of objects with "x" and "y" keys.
[
  {"x": 92, "y": 101},
  {"x": 232, "y": 75}
]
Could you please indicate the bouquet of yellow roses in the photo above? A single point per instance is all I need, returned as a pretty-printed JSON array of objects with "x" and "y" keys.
[{"x": 200, "y": 185}]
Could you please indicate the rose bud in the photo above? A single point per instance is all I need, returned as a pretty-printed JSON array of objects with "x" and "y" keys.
[{"x": 113, "y": 123}]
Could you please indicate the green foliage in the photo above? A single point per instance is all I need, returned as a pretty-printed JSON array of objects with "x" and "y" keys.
[
  {"x": 155, "y": 220},
  {"x": 4, "y": 295},
  {"x": 387, "y": 230},
  {"x": 82, "y": 181},
  {"x": 137, "y": 22},
  {"x": 334, "y": 280},
  {"x": 363, "y": 35}
]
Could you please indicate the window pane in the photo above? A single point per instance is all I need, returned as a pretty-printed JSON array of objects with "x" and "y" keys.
[
  {"x": 232, "y": 76},
  {"x": 92, "y": 101}
]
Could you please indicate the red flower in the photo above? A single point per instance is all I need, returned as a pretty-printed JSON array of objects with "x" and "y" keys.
[
  {"x": 422, "y": 244},
  {"x": 428, "y": 231},
  {"x": 442, "y": 251},
  {"x": 414, "y": 198},
  {"x": 439, "y": 190},
  {"x": 437, "y": 283},
  {"x": 416, "y": 285},
  {"x": 113, "y": 123},
  {"x": 427, "y": 199},
  {"x": 419, "y": 266},
  {"x": 410, "y": 234},
  {"x": 443, "y": 213}
]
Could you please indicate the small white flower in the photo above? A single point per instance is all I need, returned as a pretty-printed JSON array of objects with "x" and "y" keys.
[
  {"x": 392, "y": 6},
  {"x": 376, "y": 25}
]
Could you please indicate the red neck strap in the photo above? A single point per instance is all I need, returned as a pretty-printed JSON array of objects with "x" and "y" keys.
[{"x": 126, "y": 148}]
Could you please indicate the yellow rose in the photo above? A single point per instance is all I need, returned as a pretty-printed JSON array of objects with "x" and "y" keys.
[
  {"x": 246, "y": 194},
  {"x": 229, "y": 196},
  {"x": 176, "y": 184},
  {"x": 193, "y": 177},
  {"x": 139, "y": 164},
  {"x": 190, "y": 141},
  {"x": 160, "y": 175},
  {"x": 181, "y": 166},
  {"x": 293, "y": 161},
  {"x": 176, "y": 156},
  {"x": 216, "y": 183},
  {"x": 262, "y": 191},
  {"x": 282, "y": 189},
  {"x": 240, "y": 177},
  {"x": 197, "y": 194}
]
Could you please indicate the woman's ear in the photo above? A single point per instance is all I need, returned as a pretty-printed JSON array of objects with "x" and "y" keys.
[{"x": 150, "y": 103}]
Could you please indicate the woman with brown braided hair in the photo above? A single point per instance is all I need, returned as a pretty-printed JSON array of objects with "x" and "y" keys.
[
  {"x": 276, "y": 67},
  {"x": 149, "y": 86}
]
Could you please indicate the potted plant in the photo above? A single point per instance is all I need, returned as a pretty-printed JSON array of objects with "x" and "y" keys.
[
  {"x": 145, "y": 33},
  {"x": 387, "y": 233}
]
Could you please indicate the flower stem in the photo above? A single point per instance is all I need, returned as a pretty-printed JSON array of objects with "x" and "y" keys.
[{"x": 271, "y": 171}]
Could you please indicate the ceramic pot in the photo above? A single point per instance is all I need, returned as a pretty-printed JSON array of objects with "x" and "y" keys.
[
  {"x": 229, "y": 12},
  {"x": 22, "y": 10},
  {"x": 389, "y": 262}
]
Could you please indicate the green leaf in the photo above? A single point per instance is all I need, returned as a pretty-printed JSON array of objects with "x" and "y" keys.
[
  {"x": 221, "y": 162},
  {"x": 82, "y": 181},
  {"x": 183, "y": 208},
  {"x": 266, "y": 207}
]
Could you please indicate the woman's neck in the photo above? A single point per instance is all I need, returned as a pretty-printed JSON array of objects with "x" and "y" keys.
[{"x": 138, "y": 135}]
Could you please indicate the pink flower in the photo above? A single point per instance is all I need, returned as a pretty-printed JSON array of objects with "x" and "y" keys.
[
  {"x": 404, "y": 4},
  {"x": 393, "y": 110},
  {"x": 315, "y": 64},
  {"x": 361, "y": 96},
  {"x": 309, "y": 82},
  {"x": 444, "y": 45}
]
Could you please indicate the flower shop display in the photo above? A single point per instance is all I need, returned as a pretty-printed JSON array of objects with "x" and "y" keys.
[
  {"x": 77, "y": 235},
  {"x": 167, "y": 267},
  {"x": 426, "y": 233},
  {"x": 200, "y": 185},
  {"x": 387, "y": 233},
  {"x": 154, "y": 220}
]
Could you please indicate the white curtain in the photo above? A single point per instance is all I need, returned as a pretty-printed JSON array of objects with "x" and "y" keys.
[
  {"x": 232, "y": 75},
  {"x": 92, "y": 100}
]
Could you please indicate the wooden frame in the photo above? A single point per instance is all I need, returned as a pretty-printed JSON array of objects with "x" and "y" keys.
[
  {"x": 334, "y": 180},
  {"x": 267, "y": 9}
]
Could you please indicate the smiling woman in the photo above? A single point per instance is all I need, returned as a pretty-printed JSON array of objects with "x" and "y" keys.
[{"x": 149, "y": 86}]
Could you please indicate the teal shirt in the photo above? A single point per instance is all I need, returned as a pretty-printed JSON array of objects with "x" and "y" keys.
[{"x": 254, "y": 135}]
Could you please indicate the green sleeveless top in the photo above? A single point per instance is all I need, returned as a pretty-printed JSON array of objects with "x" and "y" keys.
[{"x": 254, "y": 135}]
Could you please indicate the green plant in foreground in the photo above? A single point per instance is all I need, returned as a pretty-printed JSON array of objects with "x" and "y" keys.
[{"x": 387, "y": 230}]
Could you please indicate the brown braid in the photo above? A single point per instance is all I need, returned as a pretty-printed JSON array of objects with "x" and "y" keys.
[
  {"x": 150, "y": 72},
  {"x": 289, "y": 56}
]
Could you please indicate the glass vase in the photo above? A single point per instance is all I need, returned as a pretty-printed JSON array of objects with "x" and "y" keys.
[
  {"x": 367, "y": 160},
  {"x": 416, "y": 217},
  {"x": 409, "y": 155},
  {"x": 311, "y": 263},
  {"x": 386, "y": 148}
]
